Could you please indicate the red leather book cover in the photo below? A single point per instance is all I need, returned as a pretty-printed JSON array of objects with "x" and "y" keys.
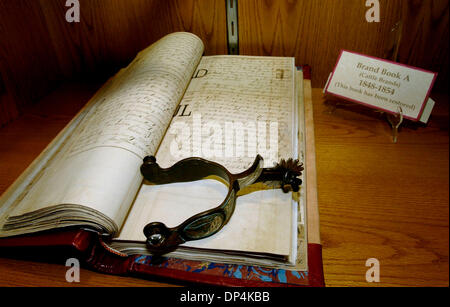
[{"x": 99, "y": 257}]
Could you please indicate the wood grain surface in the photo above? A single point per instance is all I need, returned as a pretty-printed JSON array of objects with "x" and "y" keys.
[
  {"x": 39, "y": 49},
  {"x": 26, "y": 56},
  {"x": 382, "y": 200},
  {"x": 112, "y": 32},
  {"x": 314, "y": 32},
  {"x": 425, "y": 37},
  {"x": 376, "y": 199}
]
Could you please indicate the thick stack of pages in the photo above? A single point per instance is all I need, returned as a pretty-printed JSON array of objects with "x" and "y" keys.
[{"x": 173, "y": 103}]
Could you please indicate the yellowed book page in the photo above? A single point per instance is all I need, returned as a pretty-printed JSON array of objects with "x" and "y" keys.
[
  {"x": 235, "y": 108},
  {"x": 311, "y": 172},
  {"x": 98, "y": 167},
  {"x": 302, "y": 234}
]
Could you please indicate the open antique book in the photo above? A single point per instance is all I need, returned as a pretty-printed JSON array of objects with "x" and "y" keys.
[{"x": 173, "y": 103}]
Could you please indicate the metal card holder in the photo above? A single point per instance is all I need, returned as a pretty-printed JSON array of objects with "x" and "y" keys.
[{"x": 395, "y": 121}]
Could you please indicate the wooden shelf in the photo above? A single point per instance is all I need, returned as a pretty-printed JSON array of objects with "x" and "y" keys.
[{"x": 376, "y": 199}]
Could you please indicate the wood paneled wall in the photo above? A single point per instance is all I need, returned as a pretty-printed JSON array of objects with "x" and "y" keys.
[
  {"x": 111, "y": 32},
  {"x": 425, "y": 38},
  {"x": 39, "y": 49},
  {"x": 314, "y": 32}
]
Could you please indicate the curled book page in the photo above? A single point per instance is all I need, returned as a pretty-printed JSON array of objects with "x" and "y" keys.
[{"x": 94, "y": 177}]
